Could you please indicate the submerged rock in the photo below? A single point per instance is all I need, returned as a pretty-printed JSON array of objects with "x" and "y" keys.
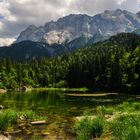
[
  {"x": 79, "y": 118},
  {"x": 1, "y": 107},
  {"x": 2, "y": 137},
  {"x": 22, "y": 118},
  {"x": 38, "y": 122},
  {"x": 45, "y": 133},
  {"x": 3, "y": 90}
]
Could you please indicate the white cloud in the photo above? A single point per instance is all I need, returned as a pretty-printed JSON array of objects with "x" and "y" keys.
[
  {"x": 6, "y": 41},
  {"x": 121, "y": 1},
  {"x": 1, "y": 25},
  {"x": 18, "y": 14}
]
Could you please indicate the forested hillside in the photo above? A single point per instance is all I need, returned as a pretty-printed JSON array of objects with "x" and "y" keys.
[{"x": 110, "y": 65}]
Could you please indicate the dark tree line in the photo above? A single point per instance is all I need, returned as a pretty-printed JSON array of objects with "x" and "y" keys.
[{"x": 104, "y": 66}]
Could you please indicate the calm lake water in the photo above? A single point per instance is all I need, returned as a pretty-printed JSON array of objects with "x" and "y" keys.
[{"x": 59, "y": 106}]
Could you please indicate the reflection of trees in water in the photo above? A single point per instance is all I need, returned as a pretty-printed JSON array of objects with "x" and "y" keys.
[{"x": 56, "y": 102}]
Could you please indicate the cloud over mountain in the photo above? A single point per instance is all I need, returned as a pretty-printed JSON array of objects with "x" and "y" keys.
[{"x": 18, "y": 14}]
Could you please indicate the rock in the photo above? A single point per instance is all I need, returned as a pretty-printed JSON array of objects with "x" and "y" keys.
[
  {"x": 57, "y": 37},
  {"x": 45, "y": 133},
  {"x": 1, "y": 107},
  {"x": 79, "y": 118},
  {"x": 2, "y": 137},
  {"x": 108, "y": 117},
  {"x": 38, "y": 122},
  {"x": 24, "y": 89},
  {"x": 13, "y": 132},
  {"x": 3, "y": 90},
  {"x": 22, "y": 118}
]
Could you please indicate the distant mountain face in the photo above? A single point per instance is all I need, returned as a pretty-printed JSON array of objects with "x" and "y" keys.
[
  {"x": 70, "y": 33},
  {"x": 137, "y": 31},
  {"x": 99, "y": 27},
  {"x": 28, "y": 50}
]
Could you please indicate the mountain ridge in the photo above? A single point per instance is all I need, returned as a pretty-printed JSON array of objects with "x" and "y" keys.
[{"x": 110, "y": 22}]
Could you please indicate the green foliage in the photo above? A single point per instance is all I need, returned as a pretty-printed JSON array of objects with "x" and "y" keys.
[
  {"x": 83, "y": 129},
  {"x": 29, "y": 114},
  {"x": 123, "y": 123},
  {"x": 61, "y": 83},
  {"x": 125, "y": 127},
  {"x": 7, "y": 118},
  {"x": 98, "y": 125},
  {"x": 110, "y": 65},
  {"x": 88, "y": 128}
]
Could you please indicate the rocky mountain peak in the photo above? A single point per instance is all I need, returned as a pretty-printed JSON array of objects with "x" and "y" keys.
[
  {"x": 73, "y": 26},
  {"x": 32, "y": 27},
  {"x": 138, "y": 13},
  {"x": 116, "y": 12},
  {"x": 57, "y": 37}
]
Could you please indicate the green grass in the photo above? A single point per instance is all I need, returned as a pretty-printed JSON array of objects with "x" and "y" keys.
[
  {"x": 125, "y": 127},
  {"x": 32, "y": 116},
  {"x": 125, "y": 124},
  {"x": 61, "y": 89},
  {"x": 7, "y": 118},
  {"x": 10, "y": 117},
  {"x": 88, "y": 128}
]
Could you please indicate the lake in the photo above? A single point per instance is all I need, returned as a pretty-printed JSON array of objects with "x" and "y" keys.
[{"x": 60, "y": 107}]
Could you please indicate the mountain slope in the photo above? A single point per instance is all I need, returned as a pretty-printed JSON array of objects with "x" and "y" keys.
[
  {"x": 112, "y": 65},
  {"x": 30, "y": 50},
  {"x": 74, "y": 26},
  {"x": 27, "y": 50}
]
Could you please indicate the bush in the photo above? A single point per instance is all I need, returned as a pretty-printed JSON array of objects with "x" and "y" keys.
[
  {"x": 125, "y": 127},
  {"x": 83, "y": 129},
  {"x": 29, "y": 114},
  {"x": 136, "y": 106},
  {"x": 7, "y": 118},
  {"x": 98, "y": 125},
  {"x": 87, "y": 128}
]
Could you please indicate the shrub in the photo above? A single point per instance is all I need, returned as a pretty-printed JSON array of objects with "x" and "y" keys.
[
  {"x": 136, "y": 106},
  {"x": 98, "y": 126},
  {"x": 7, "y": 118},
  {"x": 125, "y": 127},
  {"x": 87, "y": 128},
  {"x": 83, "y": 129},
  {"x": 29, "y": 114}
]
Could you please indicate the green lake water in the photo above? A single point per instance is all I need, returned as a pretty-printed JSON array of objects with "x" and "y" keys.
[{"x": 59, "y": 108}]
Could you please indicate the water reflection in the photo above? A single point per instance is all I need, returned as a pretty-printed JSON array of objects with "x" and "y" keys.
[{"x": 57, "y": 102}]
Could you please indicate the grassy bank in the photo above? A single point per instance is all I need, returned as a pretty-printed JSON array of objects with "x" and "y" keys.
[
  {"x": 116, "y": 123},
  {"x": 11, "y": 117},
  {"x": 62, "y": 89}
]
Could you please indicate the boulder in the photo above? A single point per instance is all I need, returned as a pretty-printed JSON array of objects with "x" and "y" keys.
[{"x": 3, "y": 90}]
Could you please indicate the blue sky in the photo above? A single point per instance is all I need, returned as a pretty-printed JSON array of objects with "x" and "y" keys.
[{"x": 16, "y": 15}]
